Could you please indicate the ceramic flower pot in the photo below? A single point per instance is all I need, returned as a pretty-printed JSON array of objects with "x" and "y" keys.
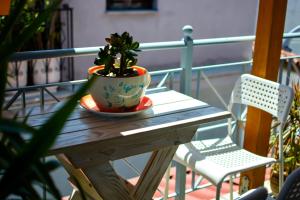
[{"x": 118, "y": 93}]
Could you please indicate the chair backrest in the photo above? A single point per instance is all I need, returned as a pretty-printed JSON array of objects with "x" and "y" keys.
[
  {"x": 291, "y": 187},
  {"x": 267, "y": 95}
]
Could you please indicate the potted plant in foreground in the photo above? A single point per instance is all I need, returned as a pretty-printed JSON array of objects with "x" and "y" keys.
[
  {"x": 291, "y": 143},
  {"x": 23, "y": 173},
  {"x": 119, "y": 84}
]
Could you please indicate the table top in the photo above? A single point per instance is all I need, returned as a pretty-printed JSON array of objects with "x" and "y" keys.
[{"x": 173, "y": 114}]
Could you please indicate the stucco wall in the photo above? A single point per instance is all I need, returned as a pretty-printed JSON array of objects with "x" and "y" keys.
[
  {"x": 209, "y": 18},
  {"x": 292, "y": 15},
  {"x": 292, "y": 20}
]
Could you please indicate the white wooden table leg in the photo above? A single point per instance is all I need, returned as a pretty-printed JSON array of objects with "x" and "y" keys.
[
  {"x": 153, "y": 173},
  {"x": 77, "y": 174},
  {"x": 107, "y": 183}
]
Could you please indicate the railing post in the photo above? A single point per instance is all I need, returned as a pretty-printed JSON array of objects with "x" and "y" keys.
[
  {"x": 180, "y": 181},
  {"x": 186, "y": 61},
  {"x": 288, "y": 71}
]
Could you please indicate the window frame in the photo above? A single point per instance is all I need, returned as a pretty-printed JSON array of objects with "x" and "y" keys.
[{"x": 128, "y": 9}]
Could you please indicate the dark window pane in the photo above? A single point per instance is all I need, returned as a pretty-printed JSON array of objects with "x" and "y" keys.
[{"x": 129, "y": 4}]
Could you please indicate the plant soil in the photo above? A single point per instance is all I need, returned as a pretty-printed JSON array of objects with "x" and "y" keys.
[{"x": 128, "y": 73}]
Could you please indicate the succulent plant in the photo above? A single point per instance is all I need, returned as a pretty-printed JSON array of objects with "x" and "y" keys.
[{"x": 118, "y": 56}]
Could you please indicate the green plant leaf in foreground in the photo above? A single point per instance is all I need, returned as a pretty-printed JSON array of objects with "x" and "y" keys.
[
  {"x": 8, "y": 47},
  {"x": 38, "y": 146},
  {"x": 11, "y": 125}
]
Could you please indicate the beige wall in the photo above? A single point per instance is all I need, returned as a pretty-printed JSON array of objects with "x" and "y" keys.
[
  {"x": 293, "y": 20},
  {"x": 209, "y": 18}
]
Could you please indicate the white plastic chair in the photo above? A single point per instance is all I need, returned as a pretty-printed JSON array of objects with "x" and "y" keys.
[{"x": 215, "y": 161}]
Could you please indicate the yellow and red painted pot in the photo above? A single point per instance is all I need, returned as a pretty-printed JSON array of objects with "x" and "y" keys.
[{"x": 118, "y": 93}]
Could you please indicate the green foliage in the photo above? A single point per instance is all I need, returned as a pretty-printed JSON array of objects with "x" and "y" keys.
[
  {"x": 46, "y": 36},
  {"x": 20, "y": 159},
  {"x": 11, "y": 41},
  {"x": 22, "y": 146},
  {"x": 291, "y": 136},
  {"x": 118, "y": 45}
]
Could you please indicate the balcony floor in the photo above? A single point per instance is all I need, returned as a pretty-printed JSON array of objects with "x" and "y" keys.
[{"x": 202, "y": 194}]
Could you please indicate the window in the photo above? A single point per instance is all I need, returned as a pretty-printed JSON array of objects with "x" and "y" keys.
[{"x": 123, "y": 5}]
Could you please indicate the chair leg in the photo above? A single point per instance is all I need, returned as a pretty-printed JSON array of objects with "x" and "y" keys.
[
  {"x": 180, "y": 181},
  {"x": 218, "y": 192},
  {"x": 281, "y": 161},
  {"x": 281, "y": 176},
  {"x": 231, "y": 187}
]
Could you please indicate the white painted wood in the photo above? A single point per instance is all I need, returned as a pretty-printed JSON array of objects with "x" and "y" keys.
[
  {"x": 153, "y": 173},
  {"x": 96, "y": 153},
  {"x": 76, "y": 173},
  {"x": 107, "y": 183},
  {"x": 144, "y": 128}
]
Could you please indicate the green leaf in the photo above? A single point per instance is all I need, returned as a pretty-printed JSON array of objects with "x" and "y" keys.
[
  {"x": 41, "y": 172},
  {"x": 51, "y": 165},
  {"x": 289, "y": 159},
  {"x": 131, "y": 53},
  {"x": 119, "y": 45},
  {"x": 30, "y": 191},
  {"x": 38, "y": 145},
  {"x": 8, "y": 47},
  {"x": 14, "y": 126},
  {"x": 135, "y": 45},
  {"x": 3, "y": 80},
  {"x": 108, "y": 40},
  {"x": 6, "y": 156},
  {"x": 11, "y": 20}
]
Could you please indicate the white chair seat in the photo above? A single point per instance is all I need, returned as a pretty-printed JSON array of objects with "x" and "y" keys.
[{"x": 216, "y": 159}]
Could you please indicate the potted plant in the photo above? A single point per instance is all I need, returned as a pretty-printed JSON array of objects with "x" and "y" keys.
[
  {"x": 119, "y": 84},
  {"x": 291, "y": 142}
]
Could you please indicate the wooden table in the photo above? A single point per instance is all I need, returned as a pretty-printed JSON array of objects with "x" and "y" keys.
[{"x": 89, "y": 142}]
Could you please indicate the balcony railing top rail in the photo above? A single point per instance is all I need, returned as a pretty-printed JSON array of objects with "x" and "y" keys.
[{"x": 85, "y": 51}]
